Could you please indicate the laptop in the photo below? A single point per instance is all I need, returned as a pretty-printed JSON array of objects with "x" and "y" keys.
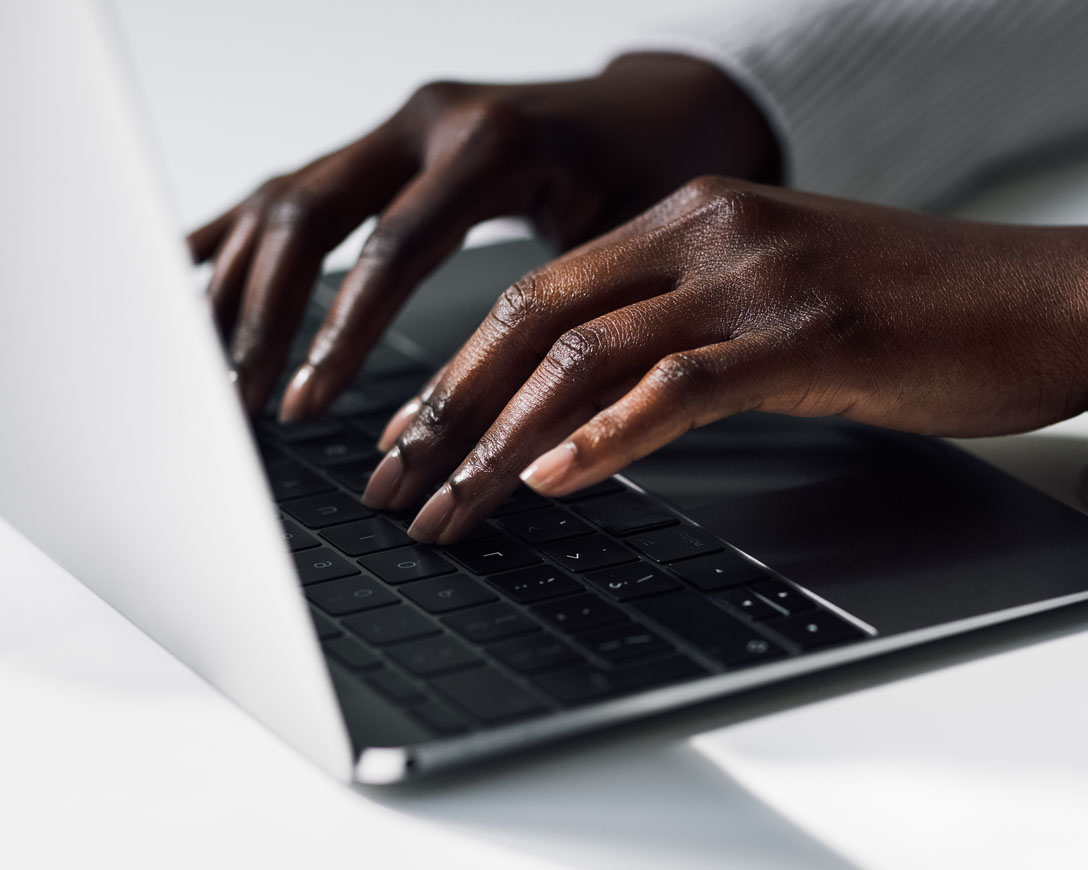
[{"x": 749, "y": 552}]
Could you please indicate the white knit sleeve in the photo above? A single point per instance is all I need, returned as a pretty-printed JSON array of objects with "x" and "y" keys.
[{"x": 898, "y": 101}]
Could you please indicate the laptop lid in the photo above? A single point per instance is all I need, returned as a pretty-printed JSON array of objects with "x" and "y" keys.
[{"x": 123, "y": 451}]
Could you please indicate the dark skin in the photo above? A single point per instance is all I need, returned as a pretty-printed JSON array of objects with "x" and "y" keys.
[{"x": 726, "y": 296}]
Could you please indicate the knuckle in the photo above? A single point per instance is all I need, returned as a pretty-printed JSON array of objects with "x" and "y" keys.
[
  {"x": 435, "y": 95},
  {"x": 681, "y": 373},
  {"x": 522, "y": 301},
  {"x": 703, "y": 188},
  {"x": 497, "y": 125},
  {"x": 294, "y": 208},
  {"x": 576, "y": 353}
]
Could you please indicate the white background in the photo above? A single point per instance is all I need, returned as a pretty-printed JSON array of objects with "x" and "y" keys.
[{"x": 113, "y": 754}]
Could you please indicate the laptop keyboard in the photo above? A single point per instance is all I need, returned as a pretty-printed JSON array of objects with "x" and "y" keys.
[{"x": 550, "y": 604}]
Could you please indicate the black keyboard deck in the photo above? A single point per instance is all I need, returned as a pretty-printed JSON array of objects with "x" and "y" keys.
[{"x": 549, "y": 604}]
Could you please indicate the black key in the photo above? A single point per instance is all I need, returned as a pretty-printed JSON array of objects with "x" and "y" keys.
[
  {"x": 783, "y": 595},
  {"x": 319, "y": 564},
  {"x": 434, "y": 655},
  {"x": 718, "y": 571},
  {"x": 749, "y": 604},
  {"x": 578, "y": 685},
  {"x": 396, "y": 688},
  {"x": 434, "y": 717},
  {"x": 354, "y": 475},
  {"x": 352, "y": 654},
  {"x": 677, "y": 542},
  {"x": 333, "y": 449},
  {"x": 350, "y": 595},
  {"x": 625, "y": 512},
  {"x": 366, "y": 536},
  {"x": 391, "y": 624},
  {"x": 406, "y": 563},
  {"x": 722, "y": 637},
  {"x": 814, "y": 630},
  {"x": 580, "y": 613},
  {"x": 365, "y": 398},
  {"x": 631, "y": 581},
  {"x": 623, "y": 642},
  {"x": 292, "y": 433},
  {"x": 522, "y": 499},
  {"x": 588, "y": 553},
  {"x": 298, "y": 538},
  {"x": 488, "y": 695},
  {"x": 294, "y": 481},
  {"x": 535, "y": 584},
  {"x": 403, "y": 386},
  {"x": 370, "y": 425},
  {"x": 443, "y": 594},
  {"x": 492, "y": 555},
  {"x": 480, "y": 531},
  {"x": 539, "y": 527},
  {"x": 605, "y": 487},
  {"x": 535, "y": 654},
  {"x": 319, "y": 511},
  {"x": 490, "y": 622},
  {"x": 324, "y": 626}
]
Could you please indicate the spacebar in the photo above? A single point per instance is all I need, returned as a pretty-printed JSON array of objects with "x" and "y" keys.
[{"x": 717, "y": 634}]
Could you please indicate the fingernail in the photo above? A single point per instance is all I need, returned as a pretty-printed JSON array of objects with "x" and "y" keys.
[
  {"x": 551, "y": 469},
  {"x": 398, "y": 422},
  {"x": 432, "y": 517},
  {"x": 298, "y": 397},
  {"x": 385, "y": 480}
]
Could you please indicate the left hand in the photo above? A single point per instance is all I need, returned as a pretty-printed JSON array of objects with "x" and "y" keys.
[{"x": 730, "y": 296}]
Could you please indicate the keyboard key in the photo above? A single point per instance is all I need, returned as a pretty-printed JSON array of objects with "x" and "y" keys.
[
  {"x": 490, "y": 622},
  {"x": 749, "y": 604},
  {"x": 625, "y": 512},
  {"x": 293, "y": 433},
  {"x": 580, "y": 613},
  {"x": 522, "y": 499},
  {"x": 369, "y": 425},
  {"x": 535, "y": 584},
  {"x": 434, "y": 717},
  {"x": 678, "y": 542},
  {"x": 319, "y": 511},
  {"x": 434, "y": 655},
  {"x": 582, "y": 684},
  {"x": 391, "y": 624},
  {"x": 542, "y": 526},
  {"x": 492, "y": 555},
  {"x": 535, "y": 654},
  {"x": 443, "y": 594},
  {"x": 352, "y": 654},
  {"x": 783, "y": 595},
  {"x": 297, "y": 538},
  {"x": 623, "y": 642},
  {"x": 815, "y": 630},
  {"x": 324, "y": 626},
  {"x": 342, "y": 447},
  {"x": 293, "y": 481},
  {"x": 631, "y": 581},
  {"x": 319, "y": 564},
  {"x": 350, "y": 595},
  {"x": 354, "y": 475},
  {"x": 605, "y": 487},
  {"x": 588, "y": 553},
  {"x": 722, "y": 637},
  {"x": 366, "y": 398},
  {"x": 366, "y": 536},
  {"x": 406, "y": 563},
  {"x": 396, "y": 688},
  {"x": 718, "y": 571},
  {"x": 488, "y": 695}
]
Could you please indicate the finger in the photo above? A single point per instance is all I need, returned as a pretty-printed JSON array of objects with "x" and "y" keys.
[
  {"x": 683, "y": 391},
  {"x": 501, "y": 354},
  {"x": 231, "y": 269},
  {"x": 407, "y": 412},
  {"x": 421, "y": 227},
  {"x": 302, "y": 223},
  {"x": 587, "y": 369},
  {"x": 204, "y": 241}
]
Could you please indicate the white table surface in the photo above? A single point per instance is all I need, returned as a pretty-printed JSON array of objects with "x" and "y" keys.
[{"x": 111, "y": 752}]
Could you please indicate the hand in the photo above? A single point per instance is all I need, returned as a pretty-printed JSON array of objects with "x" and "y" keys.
[
  {"x": 728, "y": 297},
  {"x": 576, "y": 157}
]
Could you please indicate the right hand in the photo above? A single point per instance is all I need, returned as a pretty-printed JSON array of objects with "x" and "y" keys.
[{"x": 576, "y": 157}]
